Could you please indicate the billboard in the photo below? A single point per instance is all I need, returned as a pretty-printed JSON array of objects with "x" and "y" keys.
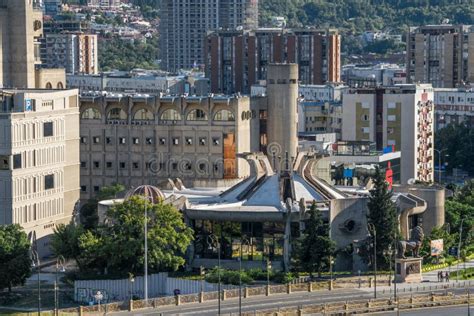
[{"x": 436, "y": 247}]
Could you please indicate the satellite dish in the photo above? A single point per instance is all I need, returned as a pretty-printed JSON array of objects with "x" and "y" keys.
[{"x": 411, "y": 181}]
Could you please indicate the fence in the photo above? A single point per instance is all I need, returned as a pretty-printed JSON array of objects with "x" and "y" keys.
[{"x": 122, "y": 290}]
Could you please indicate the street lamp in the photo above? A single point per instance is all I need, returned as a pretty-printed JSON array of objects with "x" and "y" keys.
[
  {"x": 131, "y": 278},
  {"x": 269, "y": 267},
  {"x": 98, "y": 298},
  {"x": 373, "y": 233},
  {"x": 60, "y": 261},
  {"x": 145, "y": 281},
  {"x": 213, "y": 241},
  {"x": 439, "y": 162},
  {"x": 36, "y": 263},
  {"x": 459, "y": 248},
  {"x": 242, "y": 242},
  {"x": 388, "y": 253},
  {"x": 331, "y": 264}
]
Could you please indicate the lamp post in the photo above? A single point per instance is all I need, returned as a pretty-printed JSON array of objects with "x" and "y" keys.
[
  {"x": 60, "y": 261},
  {"x": 242, "y": 242},
  {"x": 269, "y": 267},
  {"x": 331, "y": 264},
  {"x": 131, "y": 278},
  {"x": 459, "y": 248},
  {"x": 213, "y": 240},
  {"x": 98, "y": 298},
  {"x": 395, "y": 253},
  {"x": 373, "y": 233},
  {"x": 388, "y": 253},
  {"x": 36, "y": 263},
  {"x": 145, "y": 281},
  {"x": 439, "y": 162}
]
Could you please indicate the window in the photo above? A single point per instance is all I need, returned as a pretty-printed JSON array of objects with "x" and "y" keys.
[
  {"x": 176, "y": 141},
  {"x": 4, "y": 163},
  {"x": 170, "y": 115},
  {"x": 96, "y": 189},
  {"x": 83, "y": 188},
  {"x": 364, "y": 117},
  {"x": 109, "y": 165},
  {"x": 149, "y": 141},
  {"x": 392, "y": 118},
  {"x": 49, "y": 182},
  {"x": 17, "y": 161},
  {"x": 202, "y": 141},
  {"x": 96, "y": 164},
  {"x": 189, "y": 141},
  {"x": 117, "y": 114},
  {"x": 197, "y": 115},
  {"x": 135, "y": 165},
  {"x": 83, "y": 140},
  {"x": 96, "y": 140},
  {"x": 136, "y": 141},
  {"x": 91, "y": 114},
  {"x": 143, "y": 114},
  {"x": 48, "y": 129},
  {"x": 162, "y": 141},
  {"x": 122, "y": 165},
  {"x": 224, "y": 115},
  {"x": 83, "y": 164},
  {"x": 202, "y": 166},
  {"x": 390, "y": 130},
  {"x": 365, "y": 130},
  {"x": 108, "y": 140},
  {"x": 216, "y": 141},
  {"x": 174, "y": 166},
  {"x": 122, "y": 141}
]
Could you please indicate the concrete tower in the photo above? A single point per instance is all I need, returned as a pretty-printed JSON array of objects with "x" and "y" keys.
[
  {"x": 20, "y": 26},
  {"x": 282, "y": 90}
]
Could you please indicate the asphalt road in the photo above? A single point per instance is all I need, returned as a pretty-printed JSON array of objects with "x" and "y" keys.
[{"x": 272, "y": 302}]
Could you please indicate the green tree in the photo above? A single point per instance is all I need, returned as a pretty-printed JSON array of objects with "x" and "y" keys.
[
  {"x": 118, "y": 248},
  {"x": 15, "y": 258},
  {"x": 89, "y": 215},
  {"x": 315, "y": 247},
  {"x": 383, "y": 215}
]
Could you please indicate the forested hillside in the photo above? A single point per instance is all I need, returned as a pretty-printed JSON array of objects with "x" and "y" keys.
[{"x": 360, "y": 15}]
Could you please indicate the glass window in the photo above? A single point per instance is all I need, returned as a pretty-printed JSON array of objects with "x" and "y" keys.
[
  {"x": 117, "y": 114},
  {"x": 91, "y": 114},
  {"x": 170, "y": 115},
  {"x": 143, "y": 114},
  {"x": 49, "y": 182},
  {"x": 196, "y": 115},
  {"x": 224, "y": 115},
  {"x": 48, "y": 129}
]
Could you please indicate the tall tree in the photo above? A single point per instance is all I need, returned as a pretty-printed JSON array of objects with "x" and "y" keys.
[
  {"x": 315, "y": 247},
  {"x": 383, "y": 215},
  {"x": 15, "y": 260}
]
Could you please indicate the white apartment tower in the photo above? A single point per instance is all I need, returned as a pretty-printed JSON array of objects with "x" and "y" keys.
[{"x": 401, "y": 116}]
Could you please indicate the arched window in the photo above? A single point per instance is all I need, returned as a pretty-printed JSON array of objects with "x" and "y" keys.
[
  {"x": 91, "y": 114},
  {"x": 60, "y": 85},
  {"x": 196, "y": 115},
  {"x": 144, "y": 114},
  {"x": 49, "y": 86},
  {"x": 170, "y": 115},
  {"x": 117, "y": 114},
  {"x": 224, "y": 115}
]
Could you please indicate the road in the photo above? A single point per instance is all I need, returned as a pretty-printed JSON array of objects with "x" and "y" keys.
[{"x": 271, "y": 302}]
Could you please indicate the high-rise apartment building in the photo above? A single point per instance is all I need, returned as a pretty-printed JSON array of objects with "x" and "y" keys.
[
  {"x": 401, "y": 116},
  {"x": 237, "y": 59},
  {"x": 442, "y": 55},
  {"x": 77, "y": 53},
  {"x": 184, "y": 25}
]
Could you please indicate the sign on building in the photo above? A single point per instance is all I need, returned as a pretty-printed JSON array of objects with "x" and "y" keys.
[{"x": 437, "y": 246}]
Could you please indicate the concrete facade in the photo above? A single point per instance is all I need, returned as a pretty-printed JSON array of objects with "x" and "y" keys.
[
  {"x": 77, "y": 53},
  {"x": 137, "y": 139},
  {"x": 453, "y": 106},
  {"x": 39, "y": 156},
  {"x": 237, "y": 59},
  {"x": 400, "y": 116},
  {"x": 282, "y": 88},
  {"x": 442, "y": 55}
]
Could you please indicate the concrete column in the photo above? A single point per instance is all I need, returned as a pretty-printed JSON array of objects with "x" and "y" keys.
[
  {"x": 130, "y": 306},
  {"x": 178, "y": 300},
  {"x": 288, "y": 288},
  {"x": 286, "y": 243},
  {"x": 246, "y": 292},
  {"x": 370, "y": 282},
  {"x": 268, "y": 290},
  {"x": 282, "y": 91},
  {"x": 310, "y": 287},
  {"x": 224, "y": 295},
  {"x": 201, "y": 297},
  {"x": 331, "y": 285}
]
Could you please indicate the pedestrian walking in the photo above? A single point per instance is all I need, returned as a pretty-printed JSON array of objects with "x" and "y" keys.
[
  {"x": 439, "y": 276},
  {"x": 442, "y": 276},
  {"x": 447, "y": 276}
]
